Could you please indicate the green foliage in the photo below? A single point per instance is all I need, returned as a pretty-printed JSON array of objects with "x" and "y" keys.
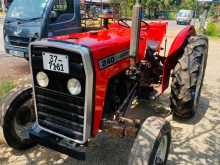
[
  {"x": 187, "y": 4},
  {"x": 125, "y": 7},
  {"x": 213, "y": 29},
  {"x": 150, "y": 5},
  {"x": 153, "y": 7},
  {"x": 172, "y": 15},
  {"x": 5, "y": 87}
]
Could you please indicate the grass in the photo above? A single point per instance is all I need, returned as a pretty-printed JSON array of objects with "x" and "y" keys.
[
  {"x": 213, "y": 29},
  {"x": 5, "y": 87}
]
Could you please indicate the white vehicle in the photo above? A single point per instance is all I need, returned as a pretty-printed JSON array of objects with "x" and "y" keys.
[{"x": 184, "y": 17}]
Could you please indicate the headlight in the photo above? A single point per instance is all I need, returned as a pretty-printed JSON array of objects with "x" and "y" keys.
[
  {"x": 6, "y": 39},
  {"x": 42, "y": 79},
  {"x": 74, "y": 86}
]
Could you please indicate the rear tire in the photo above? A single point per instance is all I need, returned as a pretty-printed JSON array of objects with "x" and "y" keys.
[
  {"x": 188, "y": 78},
  {"x": 152, "y": 143},
  {"x": 17, "y": 117}
]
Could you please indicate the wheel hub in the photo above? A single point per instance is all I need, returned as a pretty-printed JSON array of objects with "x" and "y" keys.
[{"x": 23, "y": 121}]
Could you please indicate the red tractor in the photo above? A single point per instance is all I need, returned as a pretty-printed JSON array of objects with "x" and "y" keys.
[{"x": 84, "y": 84}]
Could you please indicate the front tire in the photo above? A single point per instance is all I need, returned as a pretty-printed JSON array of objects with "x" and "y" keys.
[
  {"x": 188, "y": 78},
  {"x": 17, "y": 117},
  {"x": 152, "y": 144}
]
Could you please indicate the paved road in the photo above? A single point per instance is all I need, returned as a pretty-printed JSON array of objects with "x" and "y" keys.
[{"x": 196, "y": 142}]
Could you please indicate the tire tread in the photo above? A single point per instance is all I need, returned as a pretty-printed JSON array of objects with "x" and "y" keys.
[{"x": 186, "y": 76}]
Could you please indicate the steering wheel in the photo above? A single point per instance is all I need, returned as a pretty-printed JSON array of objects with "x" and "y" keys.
[
  {"x": 145, "y": 24},
  {"x": 123, "y": 23}
]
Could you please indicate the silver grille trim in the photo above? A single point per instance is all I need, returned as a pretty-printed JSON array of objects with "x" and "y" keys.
[{"x": 88, "y": 106}]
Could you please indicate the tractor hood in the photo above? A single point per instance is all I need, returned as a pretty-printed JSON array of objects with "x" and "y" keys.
[
  {"x": 110, "y": 41},
  {"x": 115, "y": 39}
]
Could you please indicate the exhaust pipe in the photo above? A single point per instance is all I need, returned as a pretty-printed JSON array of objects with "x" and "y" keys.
[{"x": 135, "y": 32}]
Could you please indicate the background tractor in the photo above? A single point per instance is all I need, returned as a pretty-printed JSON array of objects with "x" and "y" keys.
[{"x": 85, "y": 83}]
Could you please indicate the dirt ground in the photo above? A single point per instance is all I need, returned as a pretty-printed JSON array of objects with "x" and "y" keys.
[
  {"x": 195, "y": 142},
  {"x": 12, "y": 68}
]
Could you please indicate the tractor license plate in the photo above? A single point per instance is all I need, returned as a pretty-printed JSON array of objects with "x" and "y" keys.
[{"x": 55, "y": 62}]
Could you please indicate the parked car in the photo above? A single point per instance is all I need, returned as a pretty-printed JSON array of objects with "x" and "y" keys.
[
  {"x": 27, "y": 21},
  {"x": 184, "y": 17}
]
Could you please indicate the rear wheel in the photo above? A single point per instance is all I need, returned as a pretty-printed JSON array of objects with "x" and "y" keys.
[
  {"x": 17, "y": 119},
  {"x": 188, "y": 78},
  {"x": 152, "y": 144}
]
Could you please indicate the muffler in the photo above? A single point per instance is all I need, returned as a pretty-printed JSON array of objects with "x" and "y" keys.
[{"x": 135, "y": 33}]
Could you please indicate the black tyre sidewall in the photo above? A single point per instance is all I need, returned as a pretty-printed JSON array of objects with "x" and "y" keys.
[
  {"x": 183, "y": 107},
  {"x": 148, "y": 139},
  {"x": 156, "y": 146},
  {"x": 10, "y": 135}
]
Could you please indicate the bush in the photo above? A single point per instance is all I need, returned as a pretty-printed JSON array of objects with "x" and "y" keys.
[
  {"x": 172, "y": 15},
  {"x": 213, "y": 29}
]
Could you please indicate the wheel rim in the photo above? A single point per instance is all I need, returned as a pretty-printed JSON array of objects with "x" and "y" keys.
[
  {"x": 199, "y": 84},
  {"x": 23, "y": 121},
  {"x": 22, "y": 130},
  {"x": 161, "y": 151}
]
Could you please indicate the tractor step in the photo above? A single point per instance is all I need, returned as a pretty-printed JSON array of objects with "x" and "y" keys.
[{"x": 58, "y": 144}]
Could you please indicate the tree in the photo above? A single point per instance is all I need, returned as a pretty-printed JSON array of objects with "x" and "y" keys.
[
  {"x": 125, "y": 6},
  {"x": 154, "y": 6},
  {"x": 166, "y": 4},
  {"x": 188, "y": 4}
]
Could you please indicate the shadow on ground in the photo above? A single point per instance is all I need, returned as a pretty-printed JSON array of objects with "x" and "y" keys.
[
  {"x": 197, "y": 140},
  {"x": 104, "y": 150},
  {"x": 194, "y": 141}
]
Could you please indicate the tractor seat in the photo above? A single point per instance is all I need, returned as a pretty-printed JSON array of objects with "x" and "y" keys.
[{"x": 153, "y": 45}]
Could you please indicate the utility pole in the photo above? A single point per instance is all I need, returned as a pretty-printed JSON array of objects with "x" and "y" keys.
[{"x": 135, "y": 32}]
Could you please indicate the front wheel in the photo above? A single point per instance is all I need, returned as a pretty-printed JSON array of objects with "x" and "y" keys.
[
  {"x": 188, "y": 78},
  {"x": 152, "y": 144},
  {"x": 17, "y": 118}
]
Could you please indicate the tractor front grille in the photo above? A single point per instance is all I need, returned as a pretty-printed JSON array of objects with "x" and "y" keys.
[
  {"x": 60, "y": 113},
  {"x": 57, "y": 110}
]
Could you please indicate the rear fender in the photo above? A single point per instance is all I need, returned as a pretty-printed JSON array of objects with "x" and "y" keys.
[{"x": 176, "y": 49}]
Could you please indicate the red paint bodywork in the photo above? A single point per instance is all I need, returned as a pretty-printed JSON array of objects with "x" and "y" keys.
[
  {"x": 171, "y": 61},
  {"x": 107, "y": 42}
]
